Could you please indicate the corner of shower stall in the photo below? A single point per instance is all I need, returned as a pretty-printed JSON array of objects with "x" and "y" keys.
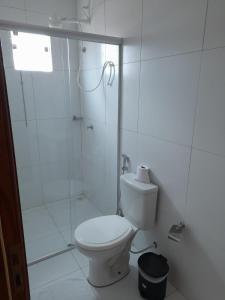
[{"x": 64, "y": 106}]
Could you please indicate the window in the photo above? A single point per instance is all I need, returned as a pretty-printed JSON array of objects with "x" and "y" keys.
[{"x": 31, "y": 52}]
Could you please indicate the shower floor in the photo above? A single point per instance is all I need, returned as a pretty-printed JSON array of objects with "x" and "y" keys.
[{"x": 49, "y": 228}]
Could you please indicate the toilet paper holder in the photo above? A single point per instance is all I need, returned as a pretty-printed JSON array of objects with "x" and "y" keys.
[{"x": 176, "y": 232}]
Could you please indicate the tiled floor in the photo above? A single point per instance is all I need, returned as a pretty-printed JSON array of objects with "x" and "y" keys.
[
  {"x": 48, "y": 229},
  {"x": 64, "y": 278}
]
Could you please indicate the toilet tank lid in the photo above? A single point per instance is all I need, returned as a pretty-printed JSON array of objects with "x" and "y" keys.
[{"x": 129, "y": 179}]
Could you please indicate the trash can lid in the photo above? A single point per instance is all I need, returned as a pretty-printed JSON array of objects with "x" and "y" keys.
[{"x": 153, "y": 265}]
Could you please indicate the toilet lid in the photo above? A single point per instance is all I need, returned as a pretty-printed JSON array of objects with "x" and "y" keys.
[{"x": 102, "y": 232}]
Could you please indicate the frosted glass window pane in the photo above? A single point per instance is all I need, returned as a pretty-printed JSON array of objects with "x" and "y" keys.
[{"x": 31, "y": 52}]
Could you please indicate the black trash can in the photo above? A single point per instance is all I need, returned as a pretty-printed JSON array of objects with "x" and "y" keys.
[{"x": 153, "y": 272}]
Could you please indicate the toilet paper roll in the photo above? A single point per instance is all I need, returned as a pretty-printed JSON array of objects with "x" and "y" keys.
[{"x": 143, "y": 174}]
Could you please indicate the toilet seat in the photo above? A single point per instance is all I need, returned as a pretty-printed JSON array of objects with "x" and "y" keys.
[{"x": 102, "y": 233}]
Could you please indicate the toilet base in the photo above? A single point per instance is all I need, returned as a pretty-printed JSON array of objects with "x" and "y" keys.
[{"x": 104, "y": 273}]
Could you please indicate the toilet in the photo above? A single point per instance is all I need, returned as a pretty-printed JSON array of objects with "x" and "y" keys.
[{"x": 106, "y": 240}]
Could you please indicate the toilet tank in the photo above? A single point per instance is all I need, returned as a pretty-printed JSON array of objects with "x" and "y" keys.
[{"x": 138, "y": 201}]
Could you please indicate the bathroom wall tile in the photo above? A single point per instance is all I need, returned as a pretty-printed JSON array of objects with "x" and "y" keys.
[
  {"x": 112, "y": 53},
  {"x": 37, "y": 18},
  {"x": 215, "y": 36},
  {"x": 54, "y": 139},
  {"x": 169, "y": 164},
  {"x": 76, "y": 140},
  {"x": 93, "y": 104},
  {"x": 97, "y": 24},
  {"x": 109, "y": 192},
  {"x": 129, "y": 140},
  {"x": 168, "y": 97},
  {"x": 14, "y": 89},
  {"x": 74, "y": 103},
  {"x": 72, "y": 52},
  {"x": 171, "y": 27},
  {"x": 210, "y": 122},
  {"x": 76, "y": 174},
  {"x": 130, "y": 96},
  {"x": 123, "y": 19},
  {"x": 93, "y": 56},
  {"x": 94, "y": 184},
  {"x": 63, "y": 54},
  {"x": 112, "y": 99},
  {"x": 50, "y": 94},
  {"x": 25, "y": 143},
  {"x": 30, "y": 184},
  {"x": 65, "y": 8},
  {"x": 42, "y": 19},
  {"x": 206, "y": 195},
  {"x": 55, "y": 180},
  {"x": 13, "y": 3},
  {"x": 82, "y": 210},
  {"x": 12, "y": 14},
  {"x": 94, "y": 139},
  {"x": 207, "y": 280}
]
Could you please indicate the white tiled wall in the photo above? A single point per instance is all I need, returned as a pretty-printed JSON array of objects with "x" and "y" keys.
[
  {"x": 99, "y": 146},
  {"x": 173, "y": 120}
]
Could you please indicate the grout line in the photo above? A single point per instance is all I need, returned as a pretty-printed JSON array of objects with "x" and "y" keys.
[
  {"x": 193, "y": 133},
  {"x": 209, "y": 152},
  {"x": 205, "y": 24},
  {"x": 140, "y": 67},
  {"x": 48, "y": 282}
]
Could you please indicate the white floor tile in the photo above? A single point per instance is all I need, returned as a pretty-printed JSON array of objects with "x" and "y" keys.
[
  {"x": 51, "y": 269},
  {"x": 60, "y": 212},
  {"x": 37, "y": 223},
  {"x": 175, "y": 296},
  {"x": 127, "y": 288},
  {"x": 38, "y": 248},
  {"x": 80, "y": 258},
  {"x": 73, "y": 286}
]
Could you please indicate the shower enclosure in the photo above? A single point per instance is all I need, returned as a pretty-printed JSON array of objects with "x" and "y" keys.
[{"x": 65, "y": 136}]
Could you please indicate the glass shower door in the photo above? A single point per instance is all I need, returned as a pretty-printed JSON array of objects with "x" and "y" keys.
[
  {"x": 65, "y": 136},
  {"x": 44, "y": 133}
]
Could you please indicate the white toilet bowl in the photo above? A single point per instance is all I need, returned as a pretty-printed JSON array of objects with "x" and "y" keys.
[{"x": 106, "y": 242}]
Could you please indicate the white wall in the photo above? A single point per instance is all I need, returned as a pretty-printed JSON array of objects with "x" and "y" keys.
[{"x": 173, "y": 120}]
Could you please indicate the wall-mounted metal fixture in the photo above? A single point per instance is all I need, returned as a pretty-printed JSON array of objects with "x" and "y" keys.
[
  {"x": 125, "y": 163},
  {"x": 75, "y": 118},
  {"x": 176, "y": 232},
  {"x": 90, "y": 127}
]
